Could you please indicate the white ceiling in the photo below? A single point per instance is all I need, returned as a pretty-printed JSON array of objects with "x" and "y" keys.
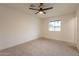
[{"x": 59, "y": 8}]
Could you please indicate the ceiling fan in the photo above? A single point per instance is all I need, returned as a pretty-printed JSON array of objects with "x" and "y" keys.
[{"x": 40, "y": 9}]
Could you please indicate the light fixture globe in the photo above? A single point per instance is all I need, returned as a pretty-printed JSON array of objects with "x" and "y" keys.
[{"x": 40, "y": 12}]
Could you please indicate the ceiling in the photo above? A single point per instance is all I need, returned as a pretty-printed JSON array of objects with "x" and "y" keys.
[{"x": 59, "y": 8}]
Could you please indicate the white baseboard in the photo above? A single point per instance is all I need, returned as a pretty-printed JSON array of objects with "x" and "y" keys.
[
  {"x": 69, "y": 43},
  {"x": 9, "y": 46}
]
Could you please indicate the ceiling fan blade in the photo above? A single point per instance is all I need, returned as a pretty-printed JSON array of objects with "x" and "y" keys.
[
  {"x": 36, "y": 12},
  {"x": 33, "y": 9},
  {"x": 44, "y": 12},
  {"x": 48, "y": 8}
]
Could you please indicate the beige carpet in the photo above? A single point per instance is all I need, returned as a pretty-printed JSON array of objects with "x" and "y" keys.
[{"x": 41, "y": 47}]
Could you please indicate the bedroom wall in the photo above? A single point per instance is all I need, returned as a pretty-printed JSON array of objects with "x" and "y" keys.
[
  {"x": 78, "y": 28},
  {"x": 67, "y": 28},
  {"x": 17, "y": 27}
]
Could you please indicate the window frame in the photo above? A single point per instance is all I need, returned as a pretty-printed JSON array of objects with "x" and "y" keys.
[{"x": 54, "y": 27}]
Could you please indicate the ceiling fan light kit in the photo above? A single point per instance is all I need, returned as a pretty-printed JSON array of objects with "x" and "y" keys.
[{"x": 40, "y": 12}]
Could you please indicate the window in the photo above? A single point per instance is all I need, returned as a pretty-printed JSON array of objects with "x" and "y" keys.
[{"x": 55, "y": 25}]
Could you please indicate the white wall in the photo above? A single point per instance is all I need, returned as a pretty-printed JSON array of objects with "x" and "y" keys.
[
  {"x": 78, "y": 28},
  {"x": 67, "y": 29},
  {"x": 75, "y": 29},
  {"x": 17, "y": 27}
]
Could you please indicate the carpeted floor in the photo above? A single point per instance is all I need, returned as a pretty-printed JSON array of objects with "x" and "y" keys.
[{"x": 41, "y": 47}]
